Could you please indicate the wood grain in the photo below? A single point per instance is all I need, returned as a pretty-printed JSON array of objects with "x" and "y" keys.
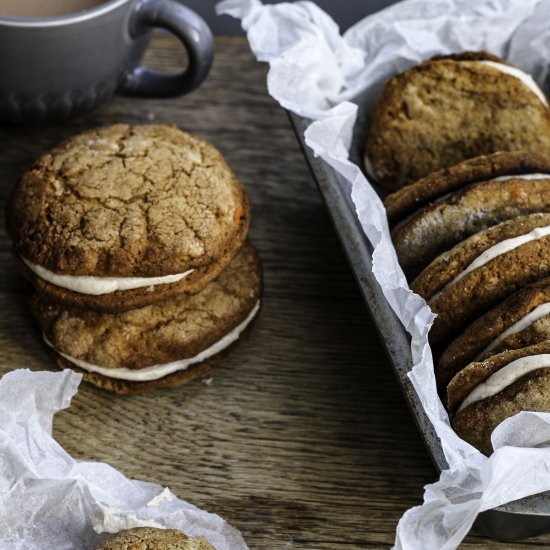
[{"x": 301, "y": 439}]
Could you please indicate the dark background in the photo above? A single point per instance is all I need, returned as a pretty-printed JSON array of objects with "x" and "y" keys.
[{"x": 345, "y": 12}]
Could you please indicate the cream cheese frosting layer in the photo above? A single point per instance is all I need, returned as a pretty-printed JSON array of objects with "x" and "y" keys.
[
  {"x": 368, "y": 166},
  {"x": 537, "y": 176},
  {"x": 101, "y": 285},
  {"x": 520, "y": 75},
  {"x": 505, "y": 377},
  {"x": 538, "y": 313},
  {"x": 494, "y": 251},
  {"x": 158, "y": 371}
]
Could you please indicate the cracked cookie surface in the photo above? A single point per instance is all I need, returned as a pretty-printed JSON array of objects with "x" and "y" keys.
[
  {"x": 128, "y": 201},
  {"x": 175, "y": 329}
]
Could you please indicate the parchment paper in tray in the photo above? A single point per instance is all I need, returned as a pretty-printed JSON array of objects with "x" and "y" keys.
[
  {"x": 313, "y": 72},
  {"x": 48, "y": 500}
]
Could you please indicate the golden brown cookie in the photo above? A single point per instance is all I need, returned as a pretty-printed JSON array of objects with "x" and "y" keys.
[
  {"x": 523, "y": 319},
  {"x": 161, "y": 345},
  {"x": 408, "y": 199},
  {"x": 438, "y": 227},
  {"x": 476, "y": 274},
  {"x": 448, "y": 109},
  {"x": 484, "y": 394},
  {"x": 152, "y": 538},
  {"x": 124, "y": 216}
]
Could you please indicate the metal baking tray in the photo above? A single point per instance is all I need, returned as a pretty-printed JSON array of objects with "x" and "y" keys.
[{"x": 513, "y": 521}]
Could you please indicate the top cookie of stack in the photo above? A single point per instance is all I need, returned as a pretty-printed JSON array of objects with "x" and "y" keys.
[
  {"x": 123, "y": 217},
  {"x": 449, "y": 109}
]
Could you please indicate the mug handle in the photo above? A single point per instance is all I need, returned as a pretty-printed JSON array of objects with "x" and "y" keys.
[{"x": 194, "y": 34}]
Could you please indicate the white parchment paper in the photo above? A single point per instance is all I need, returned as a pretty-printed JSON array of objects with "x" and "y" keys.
[
  {"x": 48, "y": 500},
  {"x": 314, "y": 72}
]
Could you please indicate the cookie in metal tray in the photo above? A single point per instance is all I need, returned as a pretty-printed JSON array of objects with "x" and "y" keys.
[{"x": 451, "y": 108}]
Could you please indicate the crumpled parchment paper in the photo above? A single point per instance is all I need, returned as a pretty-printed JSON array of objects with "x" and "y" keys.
[
  {"x": 49, "y": 500},
  {"x": 314, "y": 72}
]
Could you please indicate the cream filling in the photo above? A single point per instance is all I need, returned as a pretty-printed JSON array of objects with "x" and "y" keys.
[
  {"x": 523, "y": 177},
  {"x": 506, "y": 376},
  {"x": 494, "y": 251},
  {"x": 368, "y": 166},
  {"x": 538, "y": 313},
  {"x": 102, "y": 285},
  {"x": 158, "y": 371},
  {"x": 520, "y": 75}
]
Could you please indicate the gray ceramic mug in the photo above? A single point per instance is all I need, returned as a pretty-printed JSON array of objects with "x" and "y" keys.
[{"x": 52, "y": 68}]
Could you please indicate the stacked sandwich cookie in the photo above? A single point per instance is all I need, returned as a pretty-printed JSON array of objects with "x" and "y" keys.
[
  {"x": 462, "y": 143},
  {"x": 134, "y": 238}
]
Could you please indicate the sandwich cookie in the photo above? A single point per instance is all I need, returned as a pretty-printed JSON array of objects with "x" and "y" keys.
[
  {"x": 463, "y": 283},
  {"x": 451, "y": 108},
  {"x": 125, "y": 216},
  {"x": 484, "y": 394},
  {"x": 455, "y": 216},
  {"x": 161, "y": 345},
  {"x": 152, "y": 538},
  {"x": 523, "y": 319},
  {"x": 405, "y": 201}
]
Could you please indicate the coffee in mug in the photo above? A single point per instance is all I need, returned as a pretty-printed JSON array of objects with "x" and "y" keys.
[{"x": 44, "y": 8}]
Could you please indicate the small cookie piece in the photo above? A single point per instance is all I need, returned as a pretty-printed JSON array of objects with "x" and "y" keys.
[
  {"x": 523, "y": 319},
  {"x": 409, "y": 199},
  {"x": 451, "y": 108},
  {"x": 161, "y": 345},
  {"x": 484, "y": 394},
  {"x": 438, "y": 227},
  {"x": 125, "y": 216},
  {"x": 481, "y": 271},
  {"x": 152, "y": 538}
]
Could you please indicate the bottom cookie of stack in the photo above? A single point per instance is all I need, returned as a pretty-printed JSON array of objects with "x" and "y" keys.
[{"x": 162, "y": 345}]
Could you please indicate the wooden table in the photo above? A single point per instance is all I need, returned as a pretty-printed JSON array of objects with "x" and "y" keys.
[{"x": 301, "y": 439}]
